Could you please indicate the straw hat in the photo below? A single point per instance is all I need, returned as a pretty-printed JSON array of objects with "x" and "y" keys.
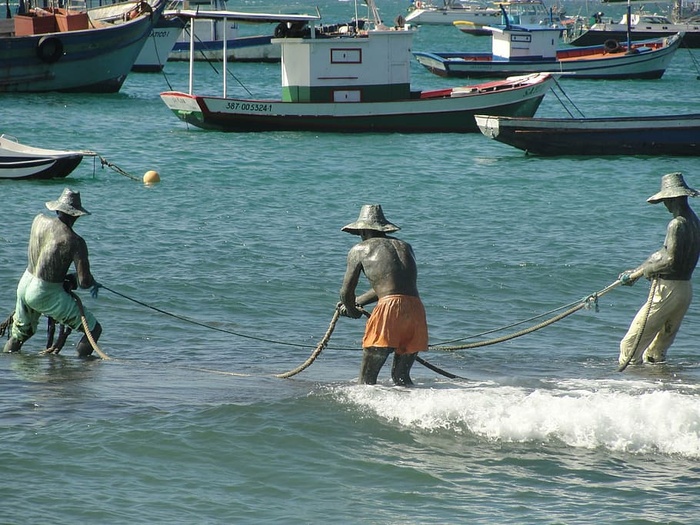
[
  {"x": 672, "y": 186},
  {"x": 68, "y": 203},
  {"x": 371, "y": 218}
]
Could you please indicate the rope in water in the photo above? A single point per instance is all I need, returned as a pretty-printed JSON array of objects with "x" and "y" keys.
[
  {"x": 578, "y": 306},
  {"x": 105, "y": 162},
  {"x": 324, "y": 342},
  {"x": 199, "y": 323},
  {"x": 317, "y": 351}
]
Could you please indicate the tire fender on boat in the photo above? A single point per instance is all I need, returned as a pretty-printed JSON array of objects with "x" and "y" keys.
[
  {"x": 281, "y": 30},
  {"x": 611, "y": 45},
  {"x": 49, "y": 49}
]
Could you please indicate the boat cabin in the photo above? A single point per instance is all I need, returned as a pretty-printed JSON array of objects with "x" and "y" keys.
[
  {"x": 372, "y": 66},
  {"x": 512, "y": 43}
]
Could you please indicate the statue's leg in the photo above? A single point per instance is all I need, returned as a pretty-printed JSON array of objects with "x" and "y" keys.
[
  {"x": 372, "y": 361},
  {"x": 401, "y": 369}
]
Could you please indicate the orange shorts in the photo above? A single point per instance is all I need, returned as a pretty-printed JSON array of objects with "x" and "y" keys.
[{"x": 398, "y": 322}]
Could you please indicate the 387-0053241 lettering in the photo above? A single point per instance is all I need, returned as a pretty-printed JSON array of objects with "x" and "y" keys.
[{"x": 249, "y": 106}]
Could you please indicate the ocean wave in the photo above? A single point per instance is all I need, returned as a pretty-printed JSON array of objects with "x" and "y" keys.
[{"x": 634, "y": 417}]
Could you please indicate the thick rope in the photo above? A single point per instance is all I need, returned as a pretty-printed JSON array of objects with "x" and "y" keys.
[
  {"x": 584, "y": 303},
  {"x": 640, "y": 333},
  {"x": 88, "y": 334},
  {"x": 317, "y": 351}
]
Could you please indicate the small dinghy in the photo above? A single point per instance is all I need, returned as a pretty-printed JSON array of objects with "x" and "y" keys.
[{"x": 19, "y": 161}]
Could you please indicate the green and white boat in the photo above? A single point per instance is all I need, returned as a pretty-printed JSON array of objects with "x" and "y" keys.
[{"x": 353, "y": 78}]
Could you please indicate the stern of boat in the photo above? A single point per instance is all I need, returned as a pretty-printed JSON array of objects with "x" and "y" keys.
[{"x": 185, "y": 107}]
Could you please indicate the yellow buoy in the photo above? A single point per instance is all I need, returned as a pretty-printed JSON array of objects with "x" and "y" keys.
[{"x": 151, "y": 176}]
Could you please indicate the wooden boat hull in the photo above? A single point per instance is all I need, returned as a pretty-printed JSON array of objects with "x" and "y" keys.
[
  {"x": 84, "y": 61},
  {"x": 450, "y": 110},
  {"x": 595, "y": 62},
  {"x": 677, "y": 135},
  {"x": 19, "y": 161}
]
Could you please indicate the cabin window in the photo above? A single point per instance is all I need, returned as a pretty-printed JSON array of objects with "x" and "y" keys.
[
  {"x": 520, "y": 38},
  {"x": 346, "y": 56}
]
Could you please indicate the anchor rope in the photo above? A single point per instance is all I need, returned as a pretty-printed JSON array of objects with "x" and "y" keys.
[
  {"x": 104, "y": 162},
  {"x": 695, "y": 63},
  {"x": 573, "y": 104}
]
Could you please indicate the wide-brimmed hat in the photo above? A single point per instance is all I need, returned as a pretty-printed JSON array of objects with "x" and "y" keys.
[
  {"x": 68, "y": 203},
  {"x": 371, "y": 218},
  {"x": 672, "y": 186}
]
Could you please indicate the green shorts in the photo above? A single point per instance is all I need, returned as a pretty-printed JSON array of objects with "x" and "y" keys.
[{"x": 36, "y": 297}]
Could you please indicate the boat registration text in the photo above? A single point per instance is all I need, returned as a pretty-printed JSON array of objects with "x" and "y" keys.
[{"x": 249, "y": 106}]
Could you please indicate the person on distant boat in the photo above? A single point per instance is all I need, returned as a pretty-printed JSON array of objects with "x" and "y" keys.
[
  {"x": 398, "y": 323},
  {"x": 44, "y": 287},
  {"x": 654, "y": 328}
]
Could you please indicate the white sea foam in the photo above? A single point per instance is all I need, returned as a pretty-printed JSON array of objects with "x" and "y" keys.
[{"x": 632, "y": 417}]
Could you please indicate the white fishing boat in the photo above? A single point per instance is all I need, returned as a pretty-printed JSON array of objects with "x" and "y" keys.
[
  {"x": 477, "y": 14},
  {"x": 159, "y": 44},
  {"x": 353, "y": 80},
  {"x": 450, "y": 11},
  {"x": 246, "y": 40},
  {"x": 642, "y": 26}
]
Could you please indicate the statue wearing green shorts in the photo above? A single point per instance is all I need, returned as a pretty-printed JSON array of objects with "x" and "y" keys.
[{"x": 43, "y": 289}]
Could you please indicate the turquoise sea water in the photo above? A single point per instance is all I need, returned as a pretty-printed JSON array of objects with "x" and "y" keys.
[{"x": 189, "y": 425}]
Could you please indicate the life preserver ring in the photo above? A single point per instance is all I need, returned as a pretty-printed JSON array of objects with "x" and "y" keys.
[
  {"x": 611, "y": 45},
  {"x": 49, "y": 49},
  {"x": 418, "y": 4}
]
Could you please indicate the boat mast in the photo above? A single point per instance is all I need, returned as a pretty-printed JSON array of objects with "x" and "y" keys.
[
  {"x": 629, "y": 27},
  {"x": 377, "y": 21},
  {"x": 677, "y": 13}
]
